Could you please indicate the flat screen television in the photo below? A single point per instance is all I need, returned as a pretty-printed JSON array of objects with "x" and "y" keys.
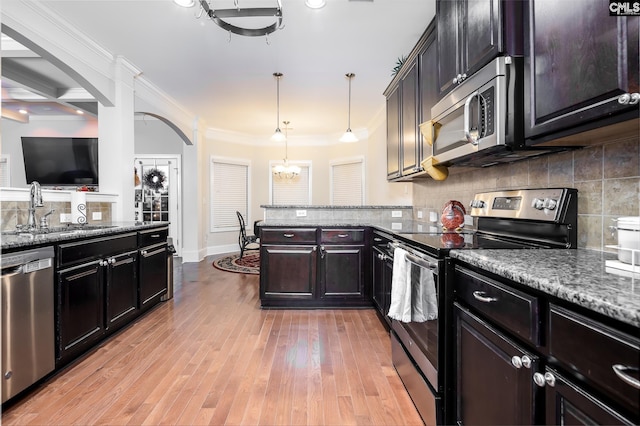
[{"x": 61, "y": 161}]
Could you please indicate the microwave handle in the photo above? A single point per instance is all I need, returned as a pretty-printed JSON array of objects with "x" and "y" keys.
[{"x": 467, "y": 132}]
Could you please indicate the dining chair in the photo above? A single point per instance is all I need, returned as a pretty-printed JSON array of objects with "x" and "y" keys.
[{"x": 246, "y": 242}]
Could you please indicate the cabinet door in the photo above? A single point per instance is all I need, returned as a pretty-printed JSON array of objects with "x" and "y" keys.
[
  {"x": 122, "y": 289},
  {"x": 287, "y": 271},
  {"x": 381, "y": 283},
  {"x": 429, "y": 90},
  {"x": 578, "y": 61},
  {"x": 449, "y": 38},
  {"x": 153, "y": 275},
  {"x": 393, "y": 135},
  {"x": 491, "y": 389},
  {"x": 567, "y": 404},
  {"x": 81, "y": 308},
  {"x": 341, "y": 271},
  {"x": 482, "y": 35},
  {"x": 409, "y": 115}
]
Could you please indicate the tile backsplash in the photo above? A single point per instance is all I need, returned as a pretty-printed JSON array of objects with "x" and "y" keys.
[
  {"x": 607, "y": 177},
  {"x": 13, "y": 213}
]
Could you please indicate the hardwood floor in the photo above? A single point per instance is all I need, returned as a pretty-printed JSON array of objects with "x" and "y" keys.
[{"x": 212, "y": 356}]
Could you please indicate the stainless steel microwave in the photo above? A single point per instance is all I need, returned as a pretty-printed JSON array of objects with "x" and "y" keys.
[{"x": 481, "y": 122}]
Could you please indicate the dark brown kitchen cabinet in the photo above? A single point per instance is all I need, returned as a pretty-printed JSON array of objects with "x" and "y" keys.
[
  {"x": 393, "y": 134},
  {"x": 96, "y": 291},
  {"x": 381, "y": 275},
  {"x": 581, "y": 67},
  {"x": 471, "y": 33},
  {"x": 80, "y": 313},
  {"x": 568, "y": 404},
  {"x": 412, "y": 92},
  {"x": 288, "y": 259},
  {"x": 121, "y": 289},
  {"x": 152, "y": 267},
  {"x": 494, "y": 375},
  {"x": 409, "y": 110},
  {"x": 342, "y": 266}
]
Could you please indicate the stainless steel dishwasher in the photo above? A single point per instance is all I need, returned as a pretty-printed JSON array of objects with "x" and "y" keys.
[{"x": 28, "y": 336}]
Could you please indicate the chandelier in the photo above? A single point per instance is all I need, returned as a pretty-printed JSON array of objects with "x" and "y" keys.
[
  {"x": 221, "y": 17},
  {"x": 285, "y": 170}
]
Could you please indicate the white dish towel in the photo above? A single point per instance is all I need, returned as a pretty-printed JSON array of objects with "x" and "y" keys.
[
  {"x": 411, "y": 303},
  {"x": 400, "y": 308}
]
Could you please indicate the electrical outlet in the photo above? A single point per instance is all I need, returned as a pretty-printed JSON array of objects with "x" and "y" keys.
[
  {"x": 420, "y": 214},
  {"x": 433, "y": 217},
  {"x": 301, "y": 213},
  {"x": 396, "y": 226},
  {"x": 396, "y": 213},
  {"x": 65, "y": 217},
  {"x": 96, "y": 216}
]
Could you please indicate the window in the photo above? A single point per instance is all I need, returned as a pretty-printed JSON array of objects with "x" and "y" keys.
[
  {"x": 347, "y": 182},
  {"x": 296, "y": 191},
  {"x": 5, "y": 171},
  {"x": 229, "y": 192}
]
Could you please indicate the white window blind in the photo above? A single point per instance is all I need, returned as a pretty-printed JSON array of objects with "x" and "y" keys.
[
  {"x": 229, "y": 193},
  {"x": 347, "y": 186},
  {"x": 5, "y": 171},
  {"x": 292, "y": 191}
]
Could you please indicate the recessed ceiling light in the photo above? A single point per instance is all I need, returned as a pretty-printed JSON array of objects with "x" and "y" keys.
[
  {"x": 185, "y": 3},
  {"x": 23, "y": 111},
  {"x": 315, "y": 4}
]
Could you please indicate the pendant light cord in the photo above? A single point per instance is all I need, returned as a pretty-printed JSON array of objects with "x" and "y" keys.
[{"x": 349, "y": 76}]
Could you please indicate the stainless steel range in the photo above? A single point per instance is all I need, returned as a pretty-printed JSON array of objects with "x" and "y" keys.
[{"x": 513, "y": 219}]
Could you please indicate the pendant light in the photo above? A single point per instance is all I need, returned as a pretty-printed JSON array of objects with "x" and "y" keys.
[
  {"x": 278, "y": 136},
  {"x": 349, "y": 136},
  {"x": 285, "y": 170}
]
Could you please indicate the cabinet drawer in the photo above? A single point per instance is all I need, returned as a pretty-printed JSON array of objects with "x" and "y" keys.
[
  {"x": 82, "y": 251},
  {"x": 514, "y": 310},
  {"x": 152, "y": 236},
  {"x": 284, "y": 236},
  {"x": 342, "y": 236},
  {"x": 595, "y": 351}
]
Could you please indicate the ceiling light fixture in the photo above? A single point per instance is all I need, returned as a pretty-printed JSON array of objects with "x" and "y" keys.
[
  {"x": 285, "y": 170},
  {"x": 185, "y": 3},
  {"x": 278, "y": 136},
  {"x": 220, "y": 18},
  {"x": 315, "y": 4},
  {"x": 349, "y": 136}
]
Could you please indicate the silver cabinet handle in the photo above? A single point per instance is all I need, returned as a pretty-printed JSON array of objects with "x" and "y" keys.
[
  {"x": 377, "y": 240},
  {"x": 519, "y": 362},
  {"x": 343, "y": 235},
  {"x": 103, "y": 263},
  {"x": 544, "y": 380},
  {"x": 288, "y": 235},
  {"x": 620, "y": 369},
  {"x": 635, "y": 97},
  {"x": 143, "y": 252},
  {"x": 482, "y": 297}
]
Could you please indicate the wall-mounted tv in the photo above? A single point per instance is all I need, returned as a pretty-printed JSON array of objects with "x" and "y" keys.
[{"x": 61, "y": 161}]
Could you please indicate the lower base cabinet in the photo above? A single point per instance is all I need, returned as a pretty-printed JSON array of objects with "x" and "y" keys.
[
  {"x": 492, "y": 389},
  {"x": 153, "y": 275},
  {"x": 121, "y": 290},
  {"x": 313, "y": 267}
]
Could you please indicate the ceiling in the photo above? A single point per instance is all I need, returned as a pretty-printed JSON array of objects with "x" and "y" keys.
[{"x": 227, "y": 79}]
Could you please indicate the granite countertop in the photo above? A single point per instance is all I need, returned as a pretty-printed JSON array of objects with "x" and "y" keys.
[
  {"x": 390, "y": 226},
  {"x": 577, "y": 276},
  {"x": 11, "y": 241},
  {"x": 319, "y": 206}
]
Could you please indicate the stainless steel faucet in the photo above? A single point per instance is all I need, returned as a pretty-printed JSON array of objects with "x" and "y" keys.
[{"x": 35, "y": 200}]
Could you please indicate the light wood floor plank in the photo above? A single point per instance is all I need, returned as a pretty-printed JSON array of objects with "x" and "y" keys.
[{"x": 210, "y": 355}]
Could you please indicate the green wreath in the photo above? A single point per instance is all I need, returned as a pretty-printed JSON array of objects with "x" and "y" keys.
[{"x": 154, "y": 179}]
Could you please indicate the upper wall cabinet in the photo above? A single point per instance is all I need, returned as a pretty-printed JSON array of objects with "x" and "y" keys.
[
  {"x": 410, "y": 97},
  {"x": 471, "y": 33},
  {"x": 581, "y": 67}
]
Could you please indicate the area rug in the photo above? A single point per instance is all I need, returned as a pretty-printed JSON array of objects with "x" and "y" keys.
[{"x": 249, "y": 264}]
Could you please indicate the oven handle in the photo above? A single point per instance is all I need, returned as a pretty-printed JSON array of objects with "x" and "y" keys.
[{"x": 421, "y": 263}]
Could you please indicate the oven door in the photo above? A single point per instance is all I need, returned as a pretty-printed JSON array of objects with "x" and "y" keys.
[{"x": 419, "y": 335}]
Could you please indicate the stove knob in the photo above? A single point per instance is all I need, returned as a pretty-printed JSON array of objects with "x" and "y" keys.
[
  {"x": 550, "y": 203},
  {"x": 537, "y": 204}
]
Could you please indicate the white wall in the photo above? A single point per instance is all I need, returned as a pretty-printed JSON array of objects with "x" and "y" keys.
[{"x": 12, "y": 131}]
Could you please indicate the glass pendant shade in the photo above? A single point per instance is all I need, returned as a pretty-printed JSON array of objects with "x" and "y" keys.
[
  {"x": 185, "y": 3},
  {"x": 278, "y": 136},
  {"x": 348, "y": 136}
]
